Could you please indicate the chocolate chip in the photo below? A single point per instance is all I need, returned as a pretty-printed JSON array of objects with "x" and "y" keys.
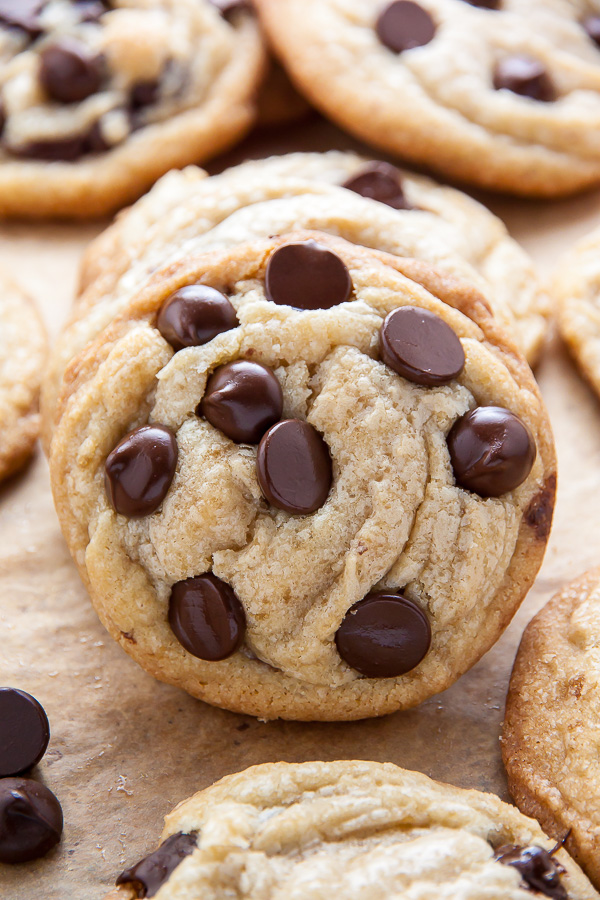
[
  {"x": 539, "y": 871},
  {"x": 294, "y": 467},
  {"x": 31, "y": 820},
  {"x": 139, "y": 471},
  {"x": 379, "y": 181},
  {"x": 404, "y": 25},
  {"x": 538, "y": 514},
  {"x": 485, "y": 4},
  {"x": 194, "y": 315},
  {"x": 384, "y": 636},
  {"x": 91, "y": 10},
  {"x": 68, "y": 149},
  {"x": 22, "y": 14},
  {"x": 307, "y": 275},
  {"x": 242, "y": 400},
  {"x": 420, "y": 346},
  {"x": 144, "y": 93},
  {"x": 149, "y": 875},
  {"x": 69, "y": 72},
  {"x": 206, "y": 617},
  {"x": 591, "y": 26},
  {"x": 228, "y": 7},
  {"x": 2, "y": 116},
  {"x": 525, "y": 76},
  {"x": 24, "y": 732},
  {"x": 491, "y": 450}
]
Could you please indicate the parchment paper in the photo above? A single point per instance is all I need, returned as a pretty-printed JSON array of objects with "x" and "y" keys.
[{"x": 125, "y": 749}]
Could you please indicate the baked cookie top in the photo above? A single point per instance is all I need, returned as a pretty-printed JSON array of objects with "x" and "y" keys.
[
  {"x": 576, "y": 290},
  {"x": 500, "y": 93},
  {"x": 187, "y": 212},
  {"x": 100, "y": 97},
  {"x": 23, "y": 351},
  {"x": 550, "y": 741},
  {"x": 362, "y": 829},
  {"x": 341, "y": 427}
]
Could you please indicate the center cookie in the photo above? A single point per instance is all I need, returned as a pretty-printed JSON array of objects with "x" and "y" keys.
[{"x": 329, "y": 509}]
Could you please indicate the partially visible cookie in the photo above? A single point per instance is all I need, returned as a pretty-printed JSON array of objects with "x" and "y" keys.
[
  {"x": 353, "y": 830},
  {"x": 551, "y": 741},
  {"x": 504, "y": 94},
  {"x": 23, "y": 349},
  {"x": 99, "y": 99},
  {"x": 304, "y": 479},
  {"x": 576, "y": 289}
]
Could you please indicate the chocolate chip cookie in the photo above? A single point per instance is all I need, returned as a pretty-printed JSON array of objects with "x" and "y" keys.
[
  {"x": 98, "y": 98},
  {"x": 550, "y": 742},
  {"x": 359, "y": 829},
  {"x": 380, "y": 207},
  {"x": 23, "y": 349},
  {"x": 497, "y": 93},
  {"x": 304, "y": 479}
]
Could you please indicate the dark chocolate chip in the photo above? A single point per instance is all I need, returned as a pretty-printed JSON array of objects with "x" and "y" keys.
[
  {"x": 491, "y": 450},
  {"x": 144, "y": 93},
  {"x": 66, "y": 149},
  {"x": 206, "y": 617},
  {"x": 384, "y": 636},
  {"x": 242, "y": 399},
  {"x": 139, "y": 471},
  {"x": 307, "y": 275},
  {"x": 379, "y": 181},
  {"x": 525, "y": 76},
  {"x": 539, "y": 871},
  {"x": 95, "y": 141},
  {"x": 228, "y": 7},
  {"x": 404, "y": 25},
  {"x": 485, "y": 4},
  {"x": 22, "y": 14},
  {"x": 69, "y": 72},
  {"x": 149, "y": 875},
  {"x": 31, "y": 820},
  {"x": 538, "y": 514},
  {"x": 420, "y": 346},
  {"x": 194, "y": 315},
  {"x": 24, "y": 732},
  {"x": 591, "y": 26},
  {"x": 294, "y": 467},
  {"x": 91, "y": 10}
]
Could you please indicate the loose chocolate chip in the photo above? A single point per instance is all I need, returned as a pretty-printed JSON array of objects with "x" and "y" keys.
[
  {"x": 150, "y": 873},
  {"x": 294, "y": 467},
  {"x": 404, "y": 25},
  {"x": 31, "y": 820},
  {"x": 144, "y": 93},
  {"x": 539, "y": 871},
  {"x": 591, "y": 26},
  {"x": 491, "y": 450},
  {"x": 307, "y": 275},
  {"x": 485, "y": 4},
  {"x": 194, "y": 315},
  {"x": 379, "y": 181},
  {"x": 139, "y": 471},
  {"x": 420, "y": 346},
  {"x": 525, "y": 76},
  {"x": 24, "y": 732},
  {"x": 206, "y": 617},
  {"x": 22, "y": 14},
  {"x": 69, "y": 72},
  {"x": 242, "y": 400},
  {"x": 384, "y": 636}
]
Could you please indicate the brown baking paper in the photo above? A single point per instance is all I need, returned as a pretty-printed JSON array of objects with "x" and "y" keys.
[{"x": 125, "y": 749}]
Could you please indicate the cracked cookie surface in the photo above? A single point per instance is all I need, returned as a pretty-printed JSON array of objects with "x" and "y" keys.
[
  {"x": 503, "y": 93},
  {"x": 388, "y": 516},
  {"x": 366, "y": 830}
]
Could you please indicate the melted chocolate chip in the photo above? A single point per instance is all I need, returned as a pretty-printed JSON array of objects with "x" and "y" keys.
[
  {"x": 491, "y": 450},
  {"x": 591, "y": 26},
  {"x": 206, "y": 617},
  {"x": 525, "y": 76},
  {"x": 144, "y": 93},
  {"x": 149, "y": 875},
  {"x": 539, "y": 871},
  {"x": 31, "y": 820},
  {"x": 538, "y": 514},
  {"x": 194, "y": 315},
  {"x": 24, "y": 732},
  {"x": 421, "y": 347},
  {"x": 404, "y": 25},
  {"x": 485, "y": 4},
  {"x": 139, "y": 471},
  {"x": 384, "y": 636},
  {"x": 307, "y": 275},
  {"x": 379, "y": 181},
  {"x": 22, "y": 14},
  {"x": 294, "y": 467},
  {"x": 69, "y": 72},
  {"x": 242, "y": 399},
  {"x": 68, "y": 149}
]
